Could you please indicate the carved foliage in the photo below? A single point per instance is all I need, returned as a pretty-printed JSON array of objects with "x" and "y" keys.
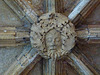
[{"x": 53, "y": 35}]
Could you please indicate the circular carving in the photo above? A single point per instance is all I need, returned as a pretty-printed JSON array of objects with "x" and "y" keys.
[{"x": 53, "y": 35}]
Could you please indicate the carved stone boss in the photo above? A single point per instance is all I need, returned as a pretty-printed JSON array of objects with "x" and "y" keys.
[{"x": 53, "y": 35}]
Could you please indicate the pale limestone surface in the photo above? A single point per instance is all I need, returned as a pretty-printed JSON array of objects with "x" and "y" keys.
[
  {"x": 53, "y": 35},
  {"x": 8, "y": 56},
  {"x": 7, "y": 16}
]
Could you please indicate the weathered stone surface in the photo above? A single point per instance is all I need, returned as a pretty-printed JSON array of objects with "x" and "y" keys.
[{"x": 53, "y": 35}]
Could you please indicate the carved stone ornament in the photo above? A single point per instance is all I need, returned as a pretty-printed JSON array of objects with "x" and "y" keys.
[{"x": 53, "y": 35}]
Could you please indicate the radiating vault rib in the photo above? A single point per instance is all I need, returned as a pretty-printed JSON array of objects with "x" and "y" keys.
[
  {"x": 91, "y": 33},
  {"x": 13, "y": 36},
  {"x": 19, "y": 11},
  {"x": 31, "y": 66},
  {"x": 25, "y": 58},
  {"x": 29, "y": 9},
  {"x": 24, "y": 10},
  {"x": 78, "y": 9},
  {"x": 49, "y": 67},
  {"x": 79, "y": 65},
  {"x": 78, "y": 52},
  {"x": 50, "y": 6},
  {"x": 89, "y": 8}
]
